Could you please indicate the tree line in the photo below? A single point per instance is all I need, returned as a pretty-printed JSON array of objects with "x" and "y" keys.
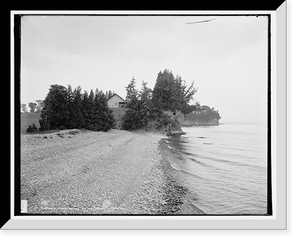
[
  {"x": 203, "y": 114},
  {"x": 146, "y": 106},
  {"x": 65, "y": 108},
  {"x": 36, "y": 106}
]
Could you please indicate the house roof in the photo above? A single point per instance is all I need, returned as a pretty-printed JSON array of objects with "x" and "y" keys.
[{"x": 115, "y": 95}]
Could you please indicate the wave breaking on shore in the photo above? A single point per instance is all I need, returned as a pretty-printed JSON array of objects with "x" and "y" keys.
[{"x": 177, "y": 193}]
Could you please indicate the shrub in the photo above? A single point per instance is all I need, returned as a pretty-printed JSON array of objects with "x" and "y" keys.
[{"x": 31, "y": 128}]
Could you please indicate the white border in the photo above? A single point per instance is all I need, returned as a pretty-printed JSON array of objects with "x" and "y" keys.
[
  {"x": 278, "y": 91},
  {"x": 12, "y": 117}
]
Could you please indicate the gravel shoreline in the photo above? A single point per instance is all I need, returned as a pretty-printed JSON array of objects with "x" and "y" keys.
[{"x": 84, "y": 172}]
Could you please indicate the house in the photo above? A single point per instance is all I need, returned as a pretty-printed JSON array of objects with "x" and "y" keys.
[{"x": 116, "y": 101}]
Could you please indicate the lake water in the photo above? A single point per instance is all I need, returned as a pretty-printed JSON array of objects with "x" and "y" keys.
[{"x": 223, "y": 167}]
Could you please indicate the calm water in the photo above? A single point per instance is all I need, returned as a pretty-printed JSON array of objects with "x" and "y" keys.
[{"x": 224, "y": 167}]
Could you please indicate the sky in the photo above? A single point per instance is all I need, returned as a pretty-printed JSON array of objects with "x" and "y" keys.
[{"x": 225, "y": 57}]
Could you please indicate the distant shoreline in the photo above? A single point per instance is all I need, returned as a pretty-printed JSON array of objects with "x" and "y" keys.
[{"x": 200, "y": 124}]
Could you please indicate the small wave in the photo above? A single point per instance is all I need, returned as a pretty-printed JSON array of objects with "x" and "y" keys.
[
  {"x": 196, "y": 208},
  {"x": 240, "y": 164},
  {"x": 238, "y": 149},
  {"x": 230, "y": 162},
  {"x": 187, "y": 153},
  {"x": 185, "y": 171},
  {"x": 204, "y": 164}
]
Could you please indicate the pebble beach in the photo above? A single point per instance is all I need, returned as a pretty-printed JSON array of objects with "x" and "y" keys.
[{"x": 99, "y": 173}]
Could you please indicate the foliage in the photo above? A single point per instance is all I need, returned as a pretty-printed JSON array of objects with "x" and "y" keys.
[
  {"x": 103, "y": 116},
  {"x": 32, "y": 106},
  {"x": 40, "y": 105},
  {"x": 138, "y": 108},
  {"x": 131, "y": 91},
  {"x": 77, "y": 106},
  {"x": 31, "y": 128},
  {"x": 24, "y": 108},
  {"x": 65, "y": 108},
  {"x": 146, "y": 105},
  {"x": 172, "y": 93},
  {"x": 109, "y": 94},
  {"x": 132, "y": 120},
  {"x": 203, "y": 113},
  {"x": 55, "y": 112},
  {"x": 85, "y": 109}
]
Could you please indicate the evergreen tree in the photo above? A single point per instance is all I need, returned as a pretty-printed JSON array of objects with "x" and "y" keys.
[
  {"x": 146, "y": 92},
  {"x": 172, "y": 93},
  {"x": 163, "y": 97},
  {"x": 55, "y": 112},
  {"x": 89, "y": 110},
  {"x": 97, "y": 112},
  {"x": 138, "y": 107},
  {"x": 70, "y": 109},
  {"x": 132, "y": 92},
  {"x": 147, "y": 108},
  {"x": 64, "y": 108},
  {"x": 103, "y": 116},
  {"x": 109, "y": 94},
  {"x": 184, "y": 94},
  {"x": 77, "y": 108},
  {"x": 85, "y": 109}
]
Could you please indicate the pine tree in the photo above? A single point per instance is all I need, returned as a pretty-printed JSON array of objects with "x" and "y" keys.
[
  {"x": 85, "y": 110},
  {"x": 172, "y": 93},
  {"x": 77, "y": 106},
  {"x": 138, "y": 107},
  {"x": 70, "y": 108},
  {"x": 64, "y": 108},
  {"x": 104, "y": 119},
  {"x": 110, "y": 94},
  {"x": 98, "y": 111},
  {"x": 55, "y": 112},
  {"x": 132, "y": 92}
]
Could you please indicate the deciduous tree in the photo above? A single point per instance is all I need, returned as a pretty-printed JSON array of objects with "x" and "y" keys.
[
  {"x": 40, "y": 105},
  {"x": 24, "y": 108},
  {"x": 32, "y": 106}
]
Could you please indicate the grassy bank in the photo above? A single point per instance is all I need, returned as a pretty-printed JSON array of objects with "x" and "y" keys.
[{"x": 29, "y": 118}]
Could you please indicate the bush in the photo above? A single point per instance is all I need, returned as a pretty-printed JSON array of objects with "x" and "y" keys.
[{"x": 31, "y": 128}]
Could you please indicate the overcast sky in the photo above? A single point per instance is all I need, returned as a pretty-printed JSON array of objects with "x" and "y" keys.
[{"x": 225, "y": 57}]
